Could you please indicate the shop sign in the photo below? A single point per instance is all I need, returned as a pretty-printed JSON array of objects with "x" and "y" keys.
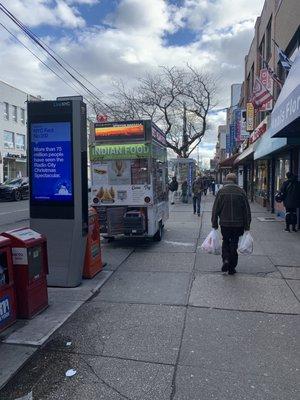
[
  {"x": 258, "y": 132},
  {"x": 267, "y": 81},
  {"x": 232, "y": 137},
  {"x": 250, "y": 117},
  {"x": 119, "y": 151},
  {"x": 287, "y": 112}
]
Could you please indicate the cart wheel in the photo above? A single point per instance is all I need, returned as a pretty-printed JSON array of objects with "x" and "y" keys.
[{"x": 158, "y": 236}]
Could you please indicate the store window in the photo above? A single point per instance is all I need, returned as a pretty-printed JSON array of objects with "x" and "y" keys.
[
  {"x": 262, "y": 52},
  {"x": 15, "y": 113},
  {"x": 261, "y": 187},
  {"x": 20, "y": 142},
  {"x": 23, "y": 116},
  {"x": 140, "y": 172},
  {"x": 8, "y": 140},
  {"x": 6, "y": 111},
  {"x": 283, "y": 165}
]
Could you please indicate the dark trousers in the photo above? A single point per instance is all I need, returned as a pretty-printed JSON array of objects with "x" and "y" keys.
[
  {"x": 197, "y": 203},
  {"x": 230, "y": 244},
  {"x": 291, "y": 218}
]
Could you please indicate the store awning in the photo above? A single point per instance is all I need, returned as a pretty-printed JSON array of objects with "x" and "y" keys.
[
  {"x": 228, "y": 162},
  {"x": 246, "y": 154},
  {"x": 285, "y": 117},
  {"x": 267, "y": 145}
]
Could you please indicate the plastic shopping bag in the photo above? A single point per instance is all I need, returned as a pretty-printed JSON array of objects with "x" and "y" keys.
[
  {"x": 212, "y": 244},
  {"x": 246, "y": 244}
]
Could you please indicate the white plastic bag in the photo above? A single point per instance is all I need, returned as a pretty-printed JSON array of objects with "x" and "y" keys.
[
  {"x": 246, "y": 244},
  {"x": 212, "y": 244}
]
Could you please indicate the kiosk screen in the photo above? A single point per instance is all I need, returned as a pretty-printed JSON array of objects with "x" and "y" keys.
[{"x": 51, "y": 162}]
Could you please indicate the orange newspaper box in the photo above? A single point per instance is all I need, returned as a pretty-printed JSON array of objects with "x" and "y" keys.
[
  {"x": 93, "y": 261},
  {"x": 30, "y": 269},
  {"x": 7, "y": 289}
]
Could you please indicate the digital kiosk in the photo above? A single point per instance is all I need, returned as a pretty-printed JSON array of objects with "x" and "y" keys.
[{"x": 58, "y": 184}]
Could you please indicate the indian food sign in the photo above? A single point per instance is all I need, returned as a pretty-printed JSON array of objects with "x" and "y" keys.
[{"x": 119, "y": 151}]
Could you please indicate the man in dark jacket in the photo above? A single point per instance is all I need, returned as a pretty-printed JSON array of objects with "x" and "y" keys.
[
  {"x": 231, "y": 208},
  {"x": 197, "y": 190},
  {"x": 291, "y": 200},
  {"x": 173, "y": 186}
]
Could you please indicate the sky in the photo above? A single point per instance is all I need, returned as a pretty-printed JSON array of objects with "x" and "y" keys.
[{"x": 109, "y": 40}]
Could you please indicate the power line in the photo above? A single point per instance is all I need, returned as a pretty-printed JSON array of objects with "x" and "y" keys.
[
  {"x": 41, "y": 61},
  {"x": 36, "y": 40}
]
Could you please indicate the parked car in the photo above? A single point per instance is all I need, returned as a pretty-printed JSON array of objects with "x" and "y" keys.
[{"x": 14, "y": 189}]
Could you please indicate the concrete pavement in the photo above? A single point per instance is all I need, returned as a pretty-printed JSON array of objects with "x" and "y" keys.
[{"x": 169, "y": 325}]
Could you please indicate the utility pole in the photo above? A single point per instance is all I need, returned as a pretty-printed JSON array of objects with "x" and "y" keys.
[{"x": 184, "y": 133}]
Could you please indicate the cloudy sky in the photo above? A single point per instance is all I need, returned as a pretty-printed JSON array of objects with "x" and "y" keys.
[{"x": 121, "y": 39}]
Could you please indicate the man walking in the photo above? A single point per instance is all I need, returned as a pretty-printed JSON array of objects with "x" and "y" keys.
[
  {"x": 231, "y": 209},
  {"x": 291, "y": 200},
  {"x": 197, "y": 190},
  {"x": 173, "y": 186}
]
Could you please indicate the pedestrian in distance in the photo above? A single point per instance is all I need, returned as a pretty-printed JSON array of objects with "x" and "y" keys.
[
  {"x": 173, "y": 186},
  {"x": 291, "y": 199},
  {"x": 213, "y": 187},
  {"x": 197, "y": 190},
  {"x": 184, "y": 191},
  {"x": 231, "y": 211},
  {"x": 205, "y": 185}
]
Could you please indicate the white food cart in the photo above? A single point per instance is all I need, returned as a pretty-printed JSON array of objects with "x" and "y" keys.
[{"x": 129, "y": 178}]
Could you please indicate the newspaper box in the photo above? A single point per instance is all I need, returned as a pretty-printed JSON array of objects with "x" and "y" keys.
[
  {"x": 30, "y": 267},
  {"x": 7, "y": 289},
  {"x": 93, "y": 261}
]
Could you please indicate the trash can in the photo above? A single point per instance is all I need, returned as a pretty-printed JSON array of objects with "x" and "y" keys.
[
  {"x": 7, "y": 289},
  {"x": 93, "y": 260},
  {"x": 30, "y": 269}
]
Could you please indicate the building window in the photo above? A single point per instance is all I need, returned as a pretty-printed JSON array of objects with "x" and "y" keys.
[
  {"x": 262, "y": 54},
  {"x": 6, "y": 111},
  {"x": 20, "y": 142},
  {"x": 23, "y": 116},
  {"x": 15, "y": 113},
  {"x": 8, "y": 139},
  {"x": 269, "y": 40}
]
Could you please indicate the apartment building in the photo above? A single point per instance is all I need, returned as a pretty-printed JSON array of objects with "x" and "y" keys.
[{"x": 13, "y": 131}]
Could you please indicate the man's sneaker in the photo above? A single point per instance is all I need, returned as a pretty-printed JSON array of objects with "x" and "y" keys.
[
  {"x": 287, "y": 230},
  {"x": 231, "y": 271},
  {"x": 225, "y": 266},
  {"x": 198, "y": 215},
  {"x": 295, "y": 230}
]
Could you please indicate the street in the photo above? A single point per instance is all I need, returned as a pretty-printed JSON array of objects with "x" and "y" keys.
[
  {"x": 169, "y": 325},
  {"x": 13, "y": 214}
]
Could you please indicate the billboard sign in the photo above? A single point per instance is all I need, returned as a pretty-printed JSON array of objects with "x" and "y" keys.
[
  {"x": 119, "y": 151},
  {"x": 119, "y": 132},
  {"x": 51, "y": 162},
  {"x": 249, "y": 117}
]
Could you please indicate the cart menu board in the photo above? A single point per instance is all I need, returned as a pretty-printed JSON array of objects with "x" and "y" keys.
[{"x": 120, "y": 182}]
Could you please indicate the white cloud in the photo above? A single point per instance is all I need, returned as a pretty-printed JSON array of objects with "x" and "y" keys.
[
  {"x": 34, "y": 13},
  {"x": 135, "y": 41}
]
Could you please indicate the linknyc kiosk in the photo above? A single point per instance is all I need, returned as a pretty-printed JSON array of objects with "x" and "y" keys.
[{"x": 58, "y": 184}]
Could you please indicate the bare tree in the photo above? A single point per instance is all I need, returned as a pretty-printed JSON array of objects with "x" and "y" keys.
[{"x": 178, "y": 100}]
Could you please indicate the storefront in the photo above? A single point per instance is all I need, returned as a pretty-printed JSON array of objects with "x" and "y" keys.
[{"x": 14, "y": 166}]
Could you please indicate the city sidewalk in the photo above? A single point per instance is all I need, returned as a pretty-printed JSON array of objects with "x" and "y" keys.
[{"x": 169, "y": 325}]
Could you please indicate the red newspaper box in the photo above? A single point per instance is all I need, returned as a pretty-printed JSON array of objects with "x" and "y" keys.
[
  {"x": 7, "y": 289},
  {"x": 93, "y": 261},
  {"x": 30, "y": 261}
]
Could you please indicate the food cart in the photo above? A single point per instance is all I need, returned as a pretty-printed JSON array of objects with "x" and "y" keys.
[{"x": 130, "y": 178}]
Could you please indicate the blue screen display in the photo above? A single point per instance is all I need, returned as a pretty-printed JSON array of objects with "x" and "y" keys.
[{"x": 51, "y": 162}]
